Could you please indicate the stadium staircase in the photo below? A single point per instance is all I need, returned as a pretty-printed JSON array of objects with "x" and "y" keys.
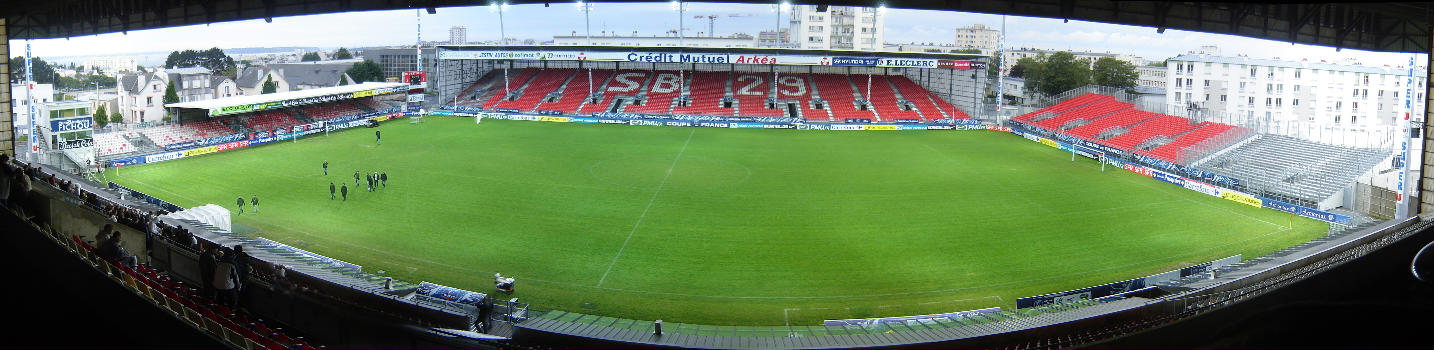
[
  {"x": 299, "y": 115},
  {"x": 611, "y": 91},
  {"x": 887, "y": 103},
  {"x": 806, "y": 105},
  {"x": 660, "y": 101},
  {"x": 510, "y": 90},
  {"x": 575, "y": 95},
  {"x": 705, "y": 94},
  {"x": 841, "y": 96},
  {"x": 473, "y": 94},
  {"x": 536, "y": 89},
  {"x": 753, "y": 91},
  {"x": 363, "y": 107}
]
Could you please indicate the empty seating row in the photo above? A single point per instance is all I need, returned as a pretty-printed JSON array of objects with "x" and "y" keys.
[
  {"x": 227, "y": 325},
  {"x": 1063, "y": 106},
  {"x": 884, "y": 100},
  {"x": 546, "y": 82},
  {"x": 269, "y": 120},
  {"x": 337, "y": 110},
  {"x": 193, "y": 131},
  {"x": 109, "y": 144},
  {"x": 1087, "y": 112},
  {"x": 1163, "y": 125},
  {"x": 705, "y": 91},
  {"x": 1123, "y": 118},
  {"x": 576, "y": 92},
  {"x": 1203, "y": 131},
  {"x": 623, "y": 83},
  {"x": 501, "y": 88},
  {"x": 837, "y": 91},
  {"x": 665, "y": 88},
  {"x": 919, "y": 96}
]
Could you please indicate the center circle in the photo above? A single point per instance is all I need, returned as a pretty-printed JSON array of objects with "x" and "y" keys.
[{"x": 648, "y": 171}]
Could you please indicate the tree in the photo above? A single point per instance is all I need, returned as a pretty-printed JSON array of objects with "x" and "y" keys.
[
  {"x": 116, "y": 118},
  {"x": 170, "y": 96},
  {"x": 40, "y": 70},
  {"x": 343, "y": 54},
  {"x": 1057, "y": 73},
  {"x": 101, "y": 116},
  {"x": 1112, "y": 72},
  {"x": 310, "y": 57},
  {"x": 214, "y": 59},
  {"x": 1019, "y": 69},
  {"x": 368, "y": 70},
  {"x": 269, "y": 86},
  {"x": 965, "y": 51}
]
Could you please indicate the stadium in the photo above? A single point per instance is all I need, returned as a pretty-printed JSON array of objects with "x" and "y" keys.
[{"x": 664, "y": 197}]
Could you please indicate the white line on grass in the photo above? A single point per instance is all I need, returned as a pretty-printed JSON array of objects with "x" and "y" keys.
[{"x": 649, "y": 207}]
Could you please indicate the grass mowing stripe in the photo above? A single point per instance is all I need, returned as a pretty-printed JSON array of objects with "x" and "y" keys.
[{"x": 646, "y": 209}]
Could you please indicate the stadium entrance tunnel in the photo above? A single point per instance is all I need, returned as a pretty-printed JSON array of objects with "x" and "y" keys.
[{"x": 649, "y": 171}]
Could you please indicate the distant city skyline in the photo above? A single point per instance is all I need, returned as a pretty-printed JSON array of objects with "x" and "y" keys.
[{"x": 397, "y": 27}]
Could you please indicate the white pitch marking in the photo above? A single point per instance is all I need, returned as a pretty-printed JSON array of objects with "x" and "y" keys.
[{"x": 649, "y": 207}]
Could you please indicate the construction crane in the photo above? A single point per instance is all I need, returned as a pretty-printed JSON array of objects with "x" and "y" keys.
[{"x": 712, "y": 21}]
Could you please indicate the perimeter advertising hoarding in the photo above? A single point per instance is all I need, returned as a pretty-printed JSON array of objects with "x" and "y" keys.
[
  {"x": 1305, "y": 211},
  {"x": 72, "y": 124}
]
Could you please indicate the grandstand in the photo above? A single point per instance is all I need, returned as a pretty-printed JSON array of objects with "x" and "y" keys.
[
  {"x": 820, "y": 89},
  {"x": 176, "y": 133},
  {"x": 1294, "y": 170}
]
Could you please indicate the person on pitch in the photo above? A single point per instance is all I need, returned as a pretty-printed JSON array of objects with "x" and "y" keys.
[
  {"x": 326, "y": 168},
  {"x": 331, "y": 191}
]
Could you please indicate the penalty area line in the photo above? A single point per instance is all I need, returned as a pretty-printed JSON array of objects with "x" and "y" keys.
[{"x": 649, "y": 207}]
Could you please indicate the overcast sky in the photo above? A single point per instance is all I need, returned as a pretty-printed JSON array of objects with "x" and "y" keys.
[{"x": 380, "y": 28}]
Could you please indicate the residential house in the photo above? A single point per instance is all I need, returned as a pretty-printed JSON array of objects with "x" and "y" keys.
[
  {"x": 141, "y": 97},
  {"x": 191, "y": 84},
  {"x": 224, "y": 87},
  {"x": 295, "y": 76}
]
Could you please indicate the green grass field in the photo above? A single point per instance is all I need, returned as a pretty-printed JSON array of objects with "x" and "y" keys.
[{"x": 723, "y": 226}]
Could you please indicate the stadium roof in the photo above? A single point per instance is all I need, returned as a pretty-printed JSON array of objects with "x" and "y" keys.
[
  {"x": 282, "y": 96},
  {"x": 1384, "y": 26}
]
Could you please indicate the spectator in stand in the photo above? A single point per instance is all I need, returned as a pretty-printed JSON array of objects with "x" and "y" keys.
[
  {"x": 4, "y": 180},
  {"x": 207, "y": 263},
  {"x": 104, "y": 233},
  {"x": 19, "y": 190},
  {"x": 226, "y": 281},
  {"x": 113, "y": 251},
  {"x": 241, "y": 262}
]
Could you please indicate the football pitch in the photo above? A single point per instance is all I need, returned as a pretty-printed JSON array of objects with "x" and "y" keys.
[{"x": 722, "y": 226}]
